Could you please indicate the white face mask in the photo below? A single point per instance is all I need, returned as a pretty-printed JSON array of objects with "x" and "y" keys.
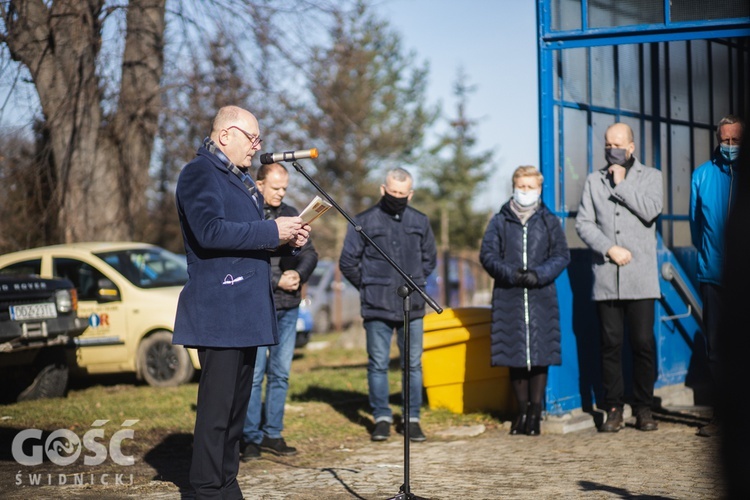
[{"x": 526, "y": 198}]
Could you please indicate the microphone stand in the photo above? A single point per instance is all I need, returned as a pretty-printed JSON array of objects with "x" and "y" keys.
[{"x": 404, "y": 291}]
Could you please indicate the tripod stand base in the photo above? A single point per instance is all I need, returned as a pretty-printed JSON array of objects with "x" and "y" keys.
[{"x": 406, "y": 496}]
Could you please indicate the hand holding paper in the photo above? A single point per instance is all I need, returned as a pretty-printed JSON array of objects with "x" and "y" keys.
[{"x": 317, "y": 207}]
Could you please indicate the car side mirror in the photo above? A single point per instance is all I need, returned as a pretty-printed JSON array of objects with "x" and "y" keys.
[{"x": 107, "y": 291}]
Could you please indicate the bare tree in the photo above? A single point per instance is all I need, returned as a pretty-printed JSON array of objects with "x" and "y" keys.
[
  {"x": 26, "y": 182},
  {"x": 120, "y": 109},
  {"x": 100, "y": 153}
]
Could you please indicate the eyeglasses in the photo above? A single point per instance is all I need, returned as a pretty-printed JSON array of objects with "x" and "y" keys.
[{"x": 254, "y": 140}]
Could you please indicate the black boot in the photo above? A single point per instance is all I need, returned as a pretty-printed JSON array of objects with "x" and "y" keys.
[
  {"x": 533, "y": 419},
  {"x": 519, "y": 424}
]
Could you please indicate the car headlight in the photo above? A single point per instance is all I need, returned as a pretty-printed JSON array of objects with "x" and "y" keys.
[{"x": 64, "y": 301}]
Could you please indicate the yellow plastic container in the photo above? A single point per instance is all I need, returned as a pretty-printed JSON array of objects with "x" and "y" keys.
[{"x": 456, "y": 367}]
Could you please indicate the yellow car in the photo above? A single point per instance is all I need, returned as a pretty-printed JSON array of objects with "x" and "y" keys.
[{"x": 128, "y": 292}]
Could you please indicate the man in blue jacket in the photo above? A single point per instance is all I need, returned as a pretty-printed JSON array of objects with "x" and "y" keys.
[
  {"x": 713, "y": 192},
  {"x": 405, "y": 235},
  {"x": 226, "y": 308}
]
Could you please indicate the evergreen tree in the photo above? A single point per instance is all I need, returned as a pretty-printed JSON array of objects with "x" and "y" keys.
[
  {"x": 370, "y": 112},
  {"x": 455, "y": 175}
]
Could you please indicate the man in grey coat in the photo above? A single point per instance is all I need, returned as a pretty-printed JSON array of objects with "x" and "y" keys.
[{"x": 616, "y": 219}]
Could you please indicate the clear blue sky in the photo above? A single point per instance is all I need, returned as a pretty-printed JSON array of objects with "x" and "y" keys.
[{"x": 495, "y": 42}]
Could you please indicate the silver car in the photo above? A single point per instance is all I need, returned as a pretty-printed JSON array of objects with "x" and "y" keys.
[{"x": 330, "y": 298}]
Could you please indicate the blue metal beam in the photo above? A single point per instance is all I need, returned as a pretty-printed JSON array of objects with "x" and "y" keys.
[{"x": 632, "y": 35}]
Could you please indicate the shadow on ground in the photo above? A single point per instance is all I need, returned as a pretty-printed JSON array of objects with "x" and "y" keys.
[
  {"x": 170, "y": 459},
  {"x": 620, "y": 492}
]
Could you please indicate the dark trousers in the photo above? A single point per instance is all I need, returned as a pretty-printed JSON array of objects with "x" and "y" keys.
[
  {"x": 223, "y": 393},
  {"x": 639, "y": 315},
  {"x": 712, "y": 312}
]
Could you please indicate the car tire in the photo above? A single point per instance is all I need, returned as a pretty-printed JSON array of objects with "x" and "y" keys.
[
  {"x": 163, "y": 364},
  {"x": 50, "y": 376},
  {"x": 302, "y": 339},
  {"x": 322, "y": 321}
]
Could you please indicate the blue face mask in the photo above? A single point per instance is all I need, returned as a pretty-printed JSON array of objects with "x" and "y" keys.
[{"x": 729, "y": 152}]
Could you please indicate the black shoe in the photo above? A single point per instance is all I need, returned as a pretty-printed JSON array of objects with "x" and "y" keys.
[
  {"x": 415, "y": 433},
  {"x": 644, "y": 420},
  {"x": 533, "y": 419},
  {"x": 251, "y": 451},
  {"x": 711, "y": 429},
  {"x": 382, "y": 431},
  {"x": 277, "y": 446},
  {"x": 519, "y": 424},
  {"x": 614, "y": 420}
]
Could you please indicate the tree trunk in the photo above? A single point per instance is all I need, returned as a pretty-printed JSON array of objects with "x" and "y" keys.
[
  {"x": 101, "y": 162},
  {"x": 136, "y": 121}
]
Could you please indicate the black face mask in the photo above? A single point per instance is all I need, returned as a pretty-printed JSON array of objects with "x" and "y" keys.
[{"x": 392, "y": 205}]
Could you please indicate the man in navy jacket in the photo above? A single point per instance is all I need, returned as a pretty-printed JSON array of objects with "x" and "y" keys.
[
  {"x": 226, "y": 309},
  {"x": 405, "y": 234},
  {"x": 713, "y": 192}
]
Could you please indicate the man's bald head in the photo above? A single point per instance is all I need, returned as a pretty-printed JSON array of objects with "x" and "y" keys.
[
  {"x": 621, "y": 128},
  {"x": 236, "y": 133}
]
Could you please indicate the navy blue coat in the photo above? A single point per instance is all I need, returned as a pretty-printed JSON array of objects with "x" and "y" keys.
[
  {"x": 409, "y": 241},
  {"x": 227, "y": 301},
  {"x": 517, "y": 342}
]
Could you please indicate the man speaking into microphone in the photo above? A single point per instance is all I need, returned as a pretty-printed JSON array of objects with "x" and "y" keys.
[
  {"x": 269, "y": 158},
  {"x": 226, "y": 309}
]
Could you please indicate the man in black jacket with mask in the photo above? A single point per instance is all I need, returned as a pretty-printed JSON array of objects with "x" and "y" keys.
[
  {"x": 405, "y": 235},
  {"x": 288, "y": 274}
]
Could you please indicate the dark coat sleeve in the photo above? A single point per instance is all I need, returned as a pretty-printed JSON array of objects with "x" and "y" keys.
[
  {"x": 492, "y": 252},
  {"x": 351, "y": 255},
  {"x": 429, "y": 250}
]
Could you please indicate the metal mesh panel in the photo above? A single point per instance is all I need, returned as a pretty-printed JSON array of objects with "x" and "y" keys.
[
  {"x": 680, "y": 170},
  {"x": 603, "y": 85},
  {"x": 679, "y": 102},
  {"x": 612, "y": 13},
  {"x": 700, "y": 10},
  {"x": 566, "y": 15},
  {"x": 628, "y": 77},
  {"x": 699, "y": 76},
  {"x": 575, "y": 163},
  {"x": 575, "y": 75}
]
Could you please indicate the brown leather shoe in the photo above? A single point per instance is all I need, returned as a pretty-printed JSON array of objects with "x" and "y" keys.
[
  {"x": 614, "y": 420},
  {"x": 644, "y": 420}
]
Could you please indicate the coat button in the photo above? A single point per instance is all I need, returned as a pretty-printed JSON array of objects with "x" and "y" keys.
[
  {"x": 617, "y": 232},
  {"x": 617, "y": 213}
]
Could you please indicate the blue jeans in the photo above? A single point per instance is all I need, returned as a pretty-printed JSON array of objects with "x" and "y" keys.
[
  {"x": 275, "y": 362},
  {"x": 379, "y": 335}
]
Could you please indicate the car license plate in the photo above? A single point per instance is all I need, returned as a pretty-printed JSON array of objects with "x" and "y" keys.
[{"x": 33, "y": 311}]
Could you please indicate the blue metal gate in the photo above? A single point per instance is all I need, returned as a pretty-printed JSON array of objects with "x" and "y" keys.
[{"x": 670, "y": 69}]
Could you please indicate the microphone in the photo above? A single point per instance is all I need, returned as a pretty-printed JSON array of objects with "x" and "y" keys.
[{"x": 267, "y": 158}]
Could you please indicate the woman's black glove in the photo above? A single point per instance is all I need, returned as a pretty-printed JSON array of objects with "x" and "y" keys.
[
  {"x": 526, "y": 279},
  {"x": 530, "y": 279}
]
